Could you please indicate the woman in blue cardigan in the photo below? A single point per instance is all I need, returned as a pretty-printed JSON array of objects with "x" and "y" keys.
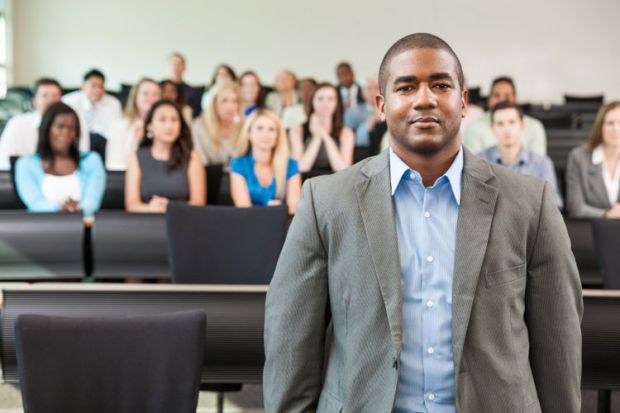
[{"x": 58, "y": 177}]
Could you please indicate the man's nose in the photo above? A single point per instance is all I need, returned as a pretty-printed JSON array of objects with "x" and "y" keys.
[{"x": 425, "y": 98}]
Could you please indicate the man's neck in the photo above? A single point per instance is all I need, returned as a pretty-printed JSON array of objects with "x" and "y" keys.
[
  {"x": 429, "y": 166},
  {"x": 509, "y": 154}
]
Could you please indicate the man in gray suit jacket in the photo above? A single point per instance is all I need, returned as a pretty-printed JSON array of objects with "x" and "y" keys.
[{"x": 487, "y": 322}]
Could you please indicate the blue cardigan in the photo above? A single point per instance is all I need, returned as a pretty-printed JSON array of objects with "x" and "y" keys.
[{"x": 29, "y": 176}]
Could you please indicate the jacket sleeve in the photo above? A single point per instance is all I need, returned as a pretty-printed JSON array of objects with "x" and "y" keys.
[
  {"x": 575, "y": 201},
  {"x": 295, "y": 316},
  {"x": 94, "y": 184},
  {"x": 28, "y": 186},
  {"x": 554, "y": 307}
]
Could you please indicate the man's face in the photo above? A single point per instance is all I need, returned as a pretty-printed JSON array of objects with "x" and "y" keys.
[
  {"x": 423, "y": 102},
  {"x": 94, "y": 88},
  {"x": 45, "y": 96},
  {"x": 371, "y": 90},
  {"x": 502, "y": 91},
  {"x": 177, "y": 67},
  {"x": 507, "y": 127},
  {"x": 345, "y": 76}
]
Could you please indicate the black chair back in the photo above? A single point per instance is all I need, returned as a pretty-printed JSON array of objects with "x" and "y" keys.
[
  {"x": 19, "y": 204},
  {"x": 607, "y": 245},
  {"x": 8, "y": 195},
  {"x": 40, "y": 246},
  {"x": 595, "y": 99},
  {"x": 97, "y": 144},
  {"x": 214, "y": 182},
  {"x": 224, "y": 245},
  {"x": 123, "y": 364},
  {"x": 127, "y": 245},
  {"x": 114, "y": 195},
  {"x": 582, "y": 244},
  {"x": 600, "y": 329}
]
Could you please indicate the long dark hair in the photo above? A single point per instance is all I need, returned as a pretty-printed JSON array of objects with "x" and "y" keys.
[
  {"x": 260, "y": 99},
  {"x": 337, "y": 117},
  {"x": 182, "y": 147},
  {"x": 227, "y": 68},
  {"x": 44, "y": 148}
]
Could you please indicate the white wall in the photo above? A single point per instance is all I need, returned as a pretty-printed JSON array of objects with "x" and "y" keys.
[{"x": 549, "y": 47}]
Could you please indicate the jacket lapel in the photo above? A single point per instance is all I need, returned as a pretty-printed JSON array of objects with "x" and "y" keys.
[
  {"x": 472, "y": 235},
  {"x": 597, "y": 184},
  {"x": 377, "y": 211}
]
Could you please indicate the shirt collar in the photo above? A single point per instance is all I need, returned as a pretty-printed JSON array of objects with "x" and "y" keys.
[
  {"x": 523, "y": 158},
  {"x": 86, "y": 103},
  {"x": 398, "y": 168},
  {"x": 598, "y": 157}
]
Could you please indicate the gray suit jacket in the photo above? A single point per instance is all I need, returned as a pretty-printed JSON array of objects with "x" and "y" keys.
[
  {"x": 586, "y": 195},
  {"x": 516, "y": 308}
]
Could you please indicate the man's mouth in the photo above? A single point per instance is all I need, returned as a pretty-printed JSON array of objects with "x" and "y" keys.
[{"x": 425, "y": 122}]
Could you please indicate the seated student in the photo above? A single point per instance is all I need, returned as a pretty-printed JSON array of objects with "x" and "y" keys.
[
  {"x": 21, "y": 134},
  {"x": 177, "y": 70},
  {"x": 507, "y": 124},
  {"x": 127, "y": 133},
  {"x": 264, "y": 174},
  {"x": 364, "y": 118},
  {"x": 165, "y": 167},
  {"x": 478, "y": 135},
  {"x": 284, "y": 101},
  {"x": 58, "y": 177},
  {"x": 216, "y": 131},
  {"x": 306, "y": 90},
  {"x": 251, "y": 92},
  {"x": 222, "y": 74},
  {"x": 593, "y": 170},
  {"x": 173, "y": 91},
  {"x": 350, "y": 90},
  {"x": 323, "y": 144},
  {"x": 99, "y": 110}
]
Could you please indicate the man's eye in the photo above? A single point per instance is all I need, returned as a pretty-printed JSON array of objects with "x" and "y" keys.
[
  {"x": 443, "y": 86},
  {"x": 404, "y": 88}
]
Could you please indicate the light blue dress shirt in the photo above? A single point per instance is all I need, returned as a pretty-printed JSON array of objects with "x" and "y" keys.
[
  {"x": 426, "y": 219},
  {"x": 528, "y": 163}
]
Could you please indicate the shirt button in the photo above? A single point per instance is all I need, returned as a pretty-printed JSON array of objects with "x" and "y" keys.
[
  {"x": 431, "y": 397},
  {"x": 429, "y": 259},
  {"x": 429, "y": 303},
  {"x": 427, "y": 214},
  {"x": 430, "y": 350}
]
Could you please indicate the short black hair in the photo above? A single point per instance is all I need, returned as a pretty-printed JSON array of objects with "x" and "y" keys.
[
  {"x": 506, "y": 104},
  {"x": 45, "y": 81},
  {"x": 346, "y": 65},
  {"x": 503, "y": 79},
  {"x": 94, "y": 73},
  {"x": 417, "y": 41},
  {"x": 44, "y": 148}
]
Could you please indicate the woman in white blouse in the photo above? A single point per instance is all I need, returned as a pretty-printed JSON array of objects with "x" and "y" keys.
[
  {"x": 593, "y": 170},
  {"x": 128, "y": 132}
]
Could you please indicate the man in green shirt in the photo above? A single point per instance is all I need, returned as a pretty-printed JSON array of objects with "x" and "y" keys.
[{"x": 479, "y": 136}]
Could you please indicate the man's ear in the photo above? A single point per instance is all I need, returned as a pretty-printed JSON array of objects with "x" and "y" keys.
[{"x": 380, "y": 102}]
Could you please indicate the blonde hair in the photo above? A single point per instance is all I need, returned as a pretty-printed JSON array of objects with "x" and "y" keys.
[
  {"x": 131, "y": 109},
  {"x": 596, "y": 138},
  {"x": 280, "y": 153},
  {"x": 210, "y": 120}
]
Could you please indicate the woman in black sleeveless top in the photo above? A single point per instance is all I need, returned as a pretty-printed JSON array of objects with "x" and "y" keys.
[
  {"x": 165, "y": 167},
  {"x": 323, "y": 144}
]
